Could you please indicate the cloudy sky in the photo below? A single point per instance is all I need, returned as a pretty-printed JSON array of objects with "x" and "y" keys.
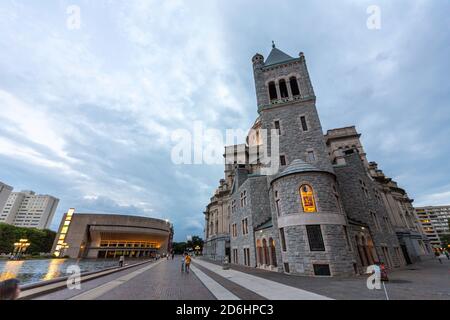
[{"x": 87, "y": 113}]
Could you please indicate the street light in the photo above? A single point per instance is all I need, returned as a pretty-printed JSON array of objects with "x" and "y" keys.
[
  {"x": 20, "y": 247},
  {"x": 64, "y": 246}
]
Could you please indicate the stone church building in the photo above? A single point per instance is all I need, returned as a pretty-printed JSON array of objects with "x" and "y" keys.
[{"x": 326, "y": 210}]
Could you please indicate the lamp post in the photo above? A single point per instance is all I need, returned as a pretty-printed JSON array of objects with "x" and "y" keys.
[
  {"x": 20, "y": 247},
  {"x": 64, "y": 247}
]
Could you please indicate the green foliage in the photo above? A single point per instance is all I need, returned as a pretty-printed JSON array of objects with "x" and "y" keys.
[
  {"x": 41, "y": 240},
  {"x": 445, "y": 239},
  {"x": 196, "y": 241},
  {"x": 179, "y": 247}
]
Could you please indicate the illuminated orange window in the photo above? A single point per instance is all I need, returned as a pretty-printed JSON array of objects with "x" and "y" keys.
[{"x": 308, "y": 201}]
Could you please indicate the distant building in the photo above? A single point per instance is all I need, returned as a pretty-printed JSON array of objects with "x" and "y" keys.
[
  {"x": 108, "y": 236},
  {"x": 5, "y": 191},
  {"x": 435, "y": 222},
  {"x": 30, "y": 210}
]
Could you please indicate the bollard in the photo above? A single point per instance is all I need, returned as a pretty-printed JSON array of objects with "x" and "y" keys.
[{"x": 225, "y": 265}]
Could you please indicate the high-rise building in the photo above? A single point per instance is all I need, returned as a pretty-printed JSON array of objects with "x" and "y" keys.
[
  {"x": 30, "y": 210},
  {"x": 435, "y": 221},
  {"x": 5, "y": 191}
]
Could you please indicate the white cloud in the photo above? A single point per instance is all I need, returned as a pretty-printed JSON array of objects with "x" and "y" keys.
[
  {"x": 434, "y": 199},
  {"x": 96, "y": 107}
]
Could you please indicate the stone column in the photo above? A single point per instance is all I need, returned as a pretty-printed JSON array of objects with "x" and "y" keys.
[
  {"x": 299, "y": 87},
  {"x": 269, "y": 248},
  {"x": 289, "y": 89},
  {"x": 277, "y": 86}
]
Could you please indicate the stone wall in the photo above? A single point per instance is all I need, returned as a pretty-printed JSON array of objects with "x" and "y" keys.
[
  {"x": 359, "y": 206},
  {"x": 257, "y": 211},
  {"x": 294, "y": 221}
]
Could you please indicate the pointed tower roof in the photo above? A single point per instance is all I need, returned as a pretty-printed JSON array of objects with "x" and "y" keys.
[{"x": 277, "y": 56}]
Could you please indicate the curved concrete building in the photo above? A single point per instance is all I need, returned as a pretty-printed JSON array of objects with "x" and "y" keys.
[{"x": 106, "y": 236}]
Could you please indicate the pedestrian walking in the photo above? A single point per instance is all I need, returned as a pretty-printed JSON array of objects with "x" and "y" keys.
[
  {"x": 383, "y": 272},
  {"x": 438, "y": 256},
  {"x": 182, "y": 262},
  {"x": 173, "y": 255},
  {"x": 187, "y": 262},
  {"x": 447, "y": 254},
  {"x": 9, "y": 289},
  {"x": 121, "y": 261}
]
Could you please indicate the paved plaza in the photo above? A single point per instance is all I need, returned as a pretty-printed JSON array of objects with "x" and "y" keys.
[{"x": 163, "y": 280}]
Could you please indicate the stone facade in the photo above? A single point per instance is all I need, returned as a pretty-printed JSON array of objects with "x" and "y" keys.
[
  {"x": 414, "y": 244},
  {"x": 365, "y": 209},
  {"x": 319, "y": 213}
]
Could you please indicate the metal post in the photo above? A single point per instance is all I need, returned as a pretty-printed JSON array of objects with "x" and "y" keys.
[{"x": 225, "y": 265}]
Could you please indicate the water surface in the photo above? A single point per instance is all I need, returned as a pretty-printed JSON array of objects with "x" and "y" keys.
[{"x": 31, "y": 271}]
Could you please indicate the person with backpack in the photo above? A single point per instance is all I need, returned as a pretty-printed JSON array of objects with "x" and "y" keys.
[{"x": 187, "y": 262}]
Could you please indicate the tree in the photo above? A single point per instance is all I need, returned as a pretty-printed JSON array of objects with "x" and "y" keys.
[
  {"x": 196, "y": 241},
  {"x": 445, "y": 240},
  {"x": 179, "y": 247},
  {"x": 40, "y": 240}
]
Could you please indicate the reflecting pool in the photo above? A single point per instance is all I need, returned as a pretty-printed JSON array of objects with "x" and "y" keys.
[{"x": 30, "y": 271}]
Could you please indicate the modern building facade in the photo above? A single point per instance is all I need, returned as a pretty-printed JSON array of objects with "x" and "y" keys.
[
  {"x": 30, "y": 210},
  {"x": 5, "y": 192},
  {"x": 107, "y": 236},
  {"x": 295, "y": 201},
  {"x": 435, "y": 221}
]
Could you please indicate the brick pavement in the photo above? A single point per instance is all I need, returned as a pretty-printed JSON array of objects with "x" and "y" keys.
[
  {"x": 163, "y": 282},
  {"x": 428, "y": 280}
]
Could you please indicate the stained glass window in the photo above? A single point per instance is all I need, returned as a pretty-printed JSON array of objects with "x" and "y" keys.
[{"x": 308, "y": 202}]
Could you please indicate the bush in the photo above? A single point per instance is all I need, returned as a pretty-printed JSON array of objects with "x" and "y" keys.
[{"x": 40, "y": 240}]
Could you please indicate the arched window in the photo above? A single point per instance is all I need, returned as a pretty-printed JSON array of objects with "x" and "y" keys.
[
  {"x": 283, "y": 89},
  {"x": 294, "y": 86},
  {"x": 361, "y": 252},
  {"x": 307, "y": 196},
  {"x": 272, "y": 91},
  {"x": 273, "y": 254},
  {"x": 266, "y": 253},
  {"x": 259, "y": 251}
]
